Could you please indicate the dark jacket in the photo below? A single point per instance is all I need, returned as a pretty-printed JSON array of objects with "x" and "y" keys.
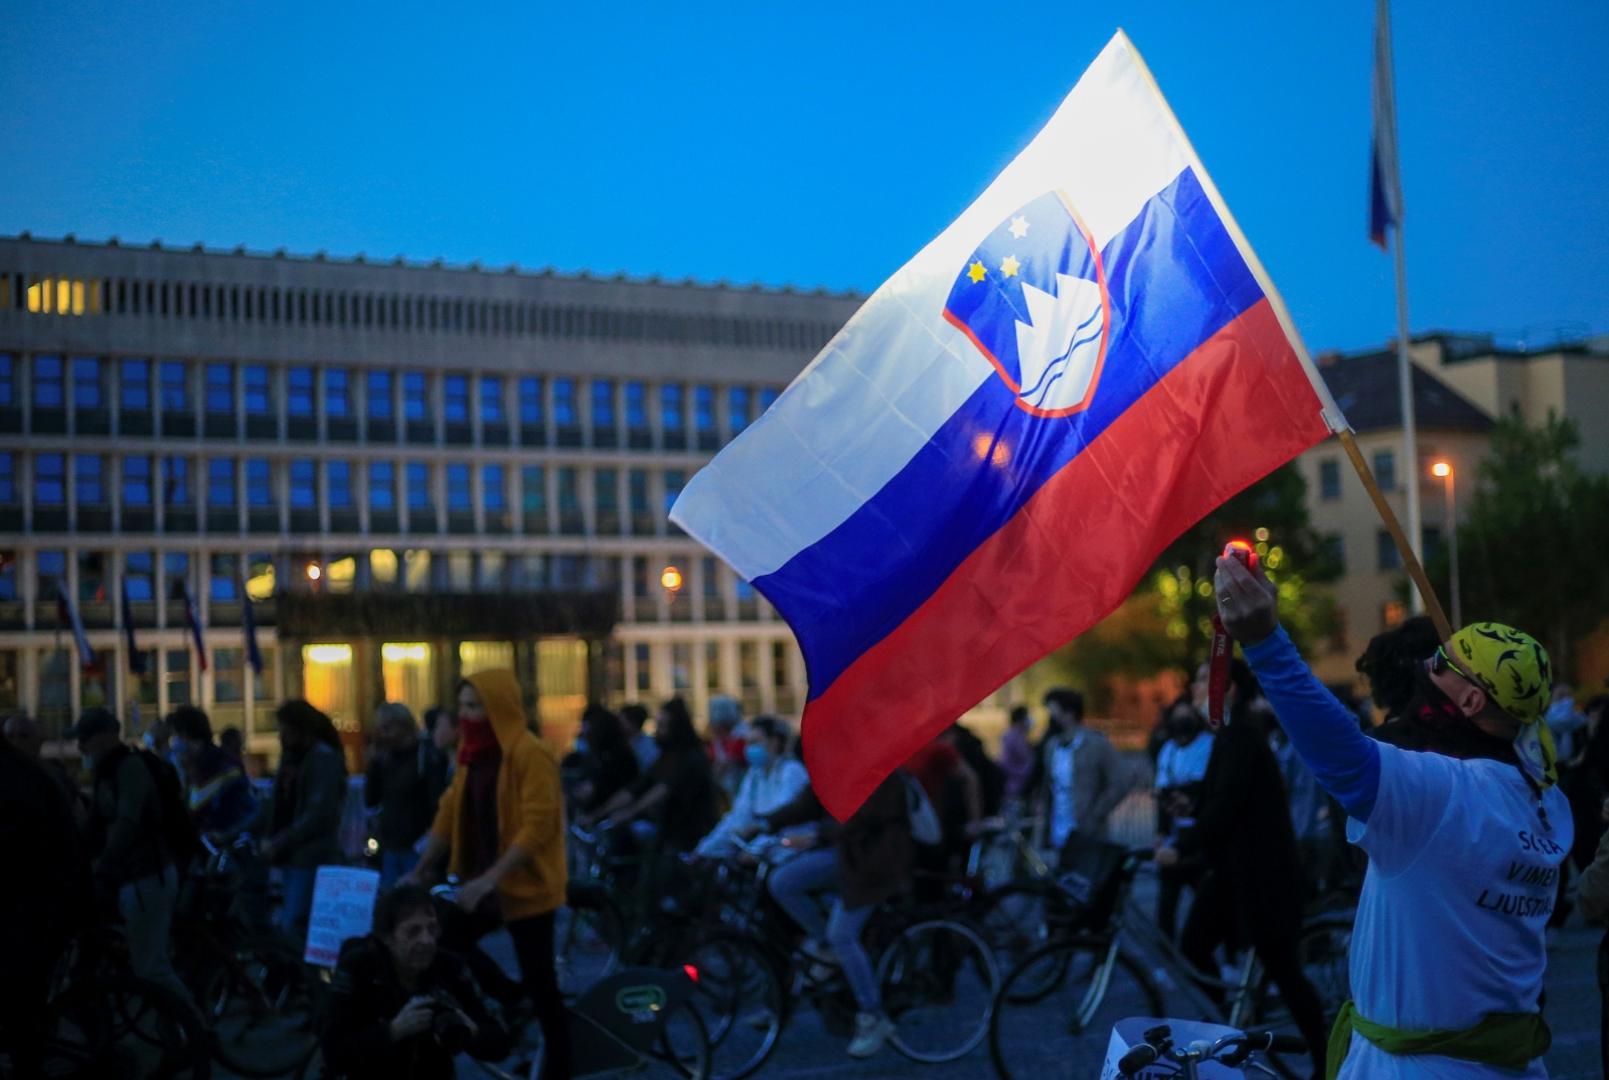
[
  {"x": 126, "y": 824},
  {"x": 309, "y": 794},
  {"x": 1243, "y": 832},
  {"x": 875, "y": 852},
  {"x": 220, "y": 795},
  {"x": 365, "y": 995},
  {"x": 405, "y": 784},
  {"x": 39, "y": 838},
  {"x": 610, "y": 769},
  {"x": 689, "y": 810}
]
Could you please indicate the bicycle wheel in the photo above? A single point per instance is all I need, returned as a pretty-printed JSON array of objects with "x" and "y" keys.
[
  {"x": 263, "y": 1005},
  {"x": 127, "y": 1027},
  {"x": 589, "y": 934},
  {"x": 1063, "y": 1032},
  {"x": 938, "y": 981},
  {"x": 683, "y": 1046},
  {"x": 740, "y": 996},
  {"x": 1012, "y": 919}
]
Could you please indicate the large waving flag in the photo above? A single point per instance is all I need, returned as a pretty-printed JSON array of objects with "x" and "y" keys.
[{"x": 989, "y": 455}]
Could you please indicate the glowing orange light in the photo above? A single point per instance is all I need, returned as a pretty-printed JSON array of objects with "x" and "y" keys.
[
  {"x": 1441, "y": 469},
  {"x": 671, "y": 578}
]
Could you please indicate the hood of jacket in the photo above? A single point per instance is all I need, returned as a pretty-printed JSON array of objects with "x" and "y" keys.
[{"x": 499, "y": 692}]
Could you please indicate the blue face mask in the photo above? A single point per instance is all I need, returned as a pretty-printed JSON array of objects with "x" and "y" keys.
[
  {"x": 757, "y": 755},
  {"x": 581, "y": 745}
]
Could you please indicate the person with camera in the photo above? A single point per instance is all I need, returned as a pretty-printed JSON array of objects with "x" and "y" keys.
[
  {"x": 401, "y": 1006},
  {"x": 1464, "y": 845}
]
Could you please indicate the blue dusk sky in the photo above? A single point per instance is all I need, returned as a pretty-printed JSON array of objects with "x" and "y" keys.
[{"x": 811, "y": 144}]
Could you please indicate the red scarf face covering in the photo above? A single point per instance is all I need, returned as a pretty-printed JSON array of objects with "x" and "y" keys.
[{"x": 477, "y": 741}]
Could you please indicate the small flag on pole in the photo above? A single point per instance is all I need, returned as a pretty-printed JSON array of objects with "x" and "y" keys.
[
  {"x": 136, "y": 659},
  {"x": 192, "y": 617},
  {"x": 1385, "y": 181},
  {"x": 67, "y": 612},
  {"x": 986, "y": 459},
  {"x": 248, "y": 618}
]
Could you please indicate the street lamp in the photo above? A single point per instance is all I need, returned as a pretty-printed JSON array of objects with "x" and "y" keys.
[
  {"x": 1444, "y": 470},
  {"x": 671, "y": 579}
]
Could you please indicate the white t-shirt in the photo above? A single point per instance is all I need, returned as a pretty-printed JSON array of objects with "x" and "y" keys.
[
  {"x": 1177, "y": 764},
  {"x": 1463, "y": 870}
]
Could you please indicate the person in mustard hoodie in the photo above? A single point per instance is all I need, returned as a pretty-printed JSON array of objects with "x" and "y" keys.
[{"x": 500, "y": 825}]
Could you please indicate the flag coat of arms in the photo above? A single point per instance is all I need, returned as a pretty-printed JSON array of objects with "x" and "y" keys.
[{"x": 984, "y": 461}]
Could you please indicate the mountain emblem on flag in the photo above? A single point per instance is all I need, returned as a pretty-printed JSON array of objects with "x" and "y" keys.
[{"x": 1032, "y": 298}]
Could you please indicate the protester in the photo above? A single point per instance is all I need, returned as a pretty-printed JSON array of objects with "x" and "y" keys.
[
  {"x": 726, "y": 743},
  {"x": 39, "y": 836},
  {"x": 605, "y": 762},
  {"x": 405, "y": 779},
  {"x": 956, "y": 793},
  {"x": 500, "y": 828},
  {"x": 1077, "y": 777},
  {"x": 1016, "y": 754},
  {"x": 1565, "y": 721},
  {"x": 217, "y": 790},
  {"x": 633, "y": 718},
  {"x": 774, "y": 779},
  {"x": 400, "y": 1005},
  {"x": 1448, "y": 953},
  {"x": 868, "y": 859},
  {"x": 442, "y": 727},
  {"x": 1251, "y": 890},
  {"x": 136, "y": 811},
  {"x": 1181, "y": 767},
  {"x": 674, "y": 800},
  {"x": 1391, "y": 663},
  {"x": 309, "y": 795},
  {"x": 24, "y": 734}
]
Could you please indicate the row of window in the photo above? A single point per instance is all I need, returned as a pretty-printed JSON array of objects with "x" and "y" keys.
[
  {"x": 100, "y": 578},
  {"x": 398, "y": 496},
  {"x": 394, "y": 405},
  {"x": 242, "y": 304},
  {"x": 1384, "y": 464}
]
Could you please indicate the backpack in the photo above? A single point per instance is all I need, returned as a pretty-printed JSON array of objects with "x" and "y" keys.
[
  {"x": 176, "y": 828},
  {"x": 925, "y": 826}
]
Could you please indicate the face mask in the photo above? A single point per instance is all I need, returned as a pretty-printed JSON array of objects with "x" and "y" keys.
[
  {"x": 581, "y": 745},
  {"x": 757, "y": 756},
  {"x": 149, "y": 740}
]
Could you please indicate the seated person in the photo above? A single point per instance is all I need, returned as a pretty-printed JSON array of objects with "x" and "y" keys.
[
  {"x": 401, "y": 1006},
  {"x": 773, "y": 780}
]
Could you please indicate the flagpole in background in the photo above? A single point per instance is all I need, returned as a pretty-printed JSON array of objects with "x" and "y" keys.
[{"x": 1385, "y": 210}]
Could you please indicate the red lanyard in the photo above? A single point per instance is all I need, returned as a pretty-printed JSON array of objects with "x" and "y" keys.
[{"x": 1217, "y": 674}]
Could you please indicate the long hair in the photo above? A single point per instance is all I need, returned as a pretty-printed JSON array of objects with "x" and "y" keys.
[
  {"x": 675, "y": 730},
  {"x": 603, "y": 731},
  {"x": 302, "y": 716}
]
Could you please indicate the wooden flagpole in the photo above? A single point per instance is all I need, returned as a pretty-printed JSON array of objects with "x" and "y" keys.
[{"x": 1387, "y": 515}]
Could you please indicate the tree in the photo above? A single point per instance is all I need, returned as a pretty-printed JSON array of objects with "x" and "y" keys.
[{"x": 1533, "y": 540}]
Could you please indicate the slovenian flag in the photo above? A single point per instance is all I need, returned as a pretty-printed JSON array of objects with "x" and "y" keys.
[
  {"x": 1385, "y": 182},
  {"x": 67, "y": 612},
  {"x": 986, "y": 459},
  {"x": 192, "y": 619},
  {"x": 136, "y": 659}
]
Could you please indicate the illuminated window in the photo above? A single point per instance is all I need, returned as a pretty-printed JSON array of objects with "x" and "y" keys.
[
  {"x": 491, "y": 400},
  {"x": 260, "y": 576},
  {"x": 476, "y": 656},
  {"x": 137, "y": 481},
  {"x": 49, "y": 392},
  {"x": 89, "y": 388},
  {"x": 382, "y": 486},
  {"x": 383, "y": 567},
  {"x": 337, "y": 393},
  {"x": 339, "y": 476},
  {"x": 65, "y": 296},
  {"x": 408, "y": 671},
  {"x": 378, "y": 384},
  {"x": 50, "y": 480},
  {"x": 455, "y": 399},
  {"x": 221, "y": 483},
  {"x": 136, "y": 385}
]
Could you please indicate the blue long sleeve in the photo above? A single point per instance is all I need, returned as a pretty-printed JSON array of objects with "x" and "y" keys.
[{"x": 1324, "y": 732}]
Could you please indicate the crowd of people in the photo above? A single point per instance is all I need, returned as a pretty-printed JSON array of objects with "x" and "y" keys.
[{"x": 1253, "y": 823}]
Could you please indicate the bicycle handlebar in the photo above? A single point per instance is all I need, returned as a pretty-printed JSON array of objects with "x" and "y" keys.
[{"x": 1230, "y": 1050}]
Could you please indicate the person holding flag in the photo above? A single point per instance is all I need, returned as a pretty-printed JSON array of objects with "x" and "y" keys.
[{"x": 1448, "y": 953}]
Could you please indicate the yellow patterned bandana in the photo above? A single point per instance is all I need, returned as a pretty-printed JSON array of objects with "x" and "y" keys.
[{"x": 1514, "y": 670}]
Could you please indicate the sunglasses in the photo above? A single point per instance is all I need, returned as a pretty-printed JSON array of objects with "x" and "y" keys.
[{"x": 1439, "y": 663}]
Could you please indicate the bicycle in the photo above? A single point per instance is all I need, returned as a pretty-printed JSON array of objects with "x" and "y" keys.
[
  {"x": 937, "y": 977},
  {"x": 1057, "y": 1004},
  {"x": 252, "y": 987},
  {"x": 1221, "y": 1046},
  {"x": 103, "y": 1020}
]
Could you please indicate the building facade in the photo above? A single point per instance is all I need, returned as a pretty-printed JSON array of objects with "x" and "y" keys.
[
  {"x": 1461, "y": 385},
  {"x": 407, "y": 472}
]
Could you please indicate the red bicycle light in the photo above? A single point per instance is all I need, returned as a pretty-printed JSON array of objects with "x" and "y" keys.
[
  {"x": 691, "y": 972},
  {"x": 1240, "y": 549}
]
